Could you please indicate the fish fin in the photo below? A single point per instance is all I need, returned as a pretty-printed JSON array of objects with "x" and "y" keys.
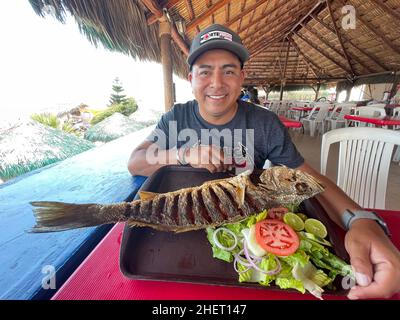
[
  {"x": 146, "y": 195},
  {"x": 240, "y": 191},
  {"x": 59, "y": 216}
]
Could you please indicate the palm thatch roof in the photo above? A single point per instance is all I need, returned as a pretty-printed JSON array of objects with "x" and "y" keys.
[
  {"x": 29, "y": 145},
  {"x": 292, "y": 42},
  {"x": 115, "y": 126}
]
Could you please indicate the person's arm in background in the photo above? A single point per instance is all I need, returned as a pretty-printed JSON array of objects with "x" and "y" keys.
[{"x": 373, "y": 256}]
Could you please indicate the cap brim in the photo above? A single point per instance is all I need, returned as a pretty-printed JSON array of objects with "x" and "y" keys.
[{"x": 237, "y": 49}]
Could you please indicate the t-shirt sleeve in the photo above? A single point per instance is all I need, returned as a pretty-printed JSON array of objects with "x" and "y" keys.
[
  {"x": 160, "y": 135},
  {"x": 281, "y": 149}
]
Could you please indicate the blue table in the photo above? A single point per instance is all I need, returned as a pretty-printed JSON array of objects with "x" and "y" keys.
[{"x": 99, "y": 175}]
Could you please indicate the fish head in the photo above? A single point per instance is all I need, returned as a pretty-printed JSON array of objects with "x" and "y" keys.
[{"x": 282, "y": 180}]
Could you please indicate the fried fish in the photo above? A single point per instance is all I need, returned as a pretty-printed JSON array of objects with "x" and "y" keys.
[{"x": 211, "y": 204}]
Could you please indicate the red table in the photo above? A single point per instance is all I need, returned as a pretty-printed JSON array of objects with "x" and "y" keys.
[
  {"x": 99, "y": 278},
  {"x": 289, "y": 123},
  {"x": 385, "y": 121}
]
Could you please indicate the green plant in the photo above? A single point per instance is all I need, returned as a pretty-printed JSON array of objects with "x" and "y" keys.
[
  {"x": 126, "y": 108},
  {"x": 46, "y": 119}
]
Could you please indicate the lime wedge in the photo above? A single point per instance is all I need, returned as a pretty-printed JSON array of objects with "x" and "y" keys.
[
  {"x": 302, "y": 216},
  {"x": 315, "y": 227},
  {"x": 294, "y": 221},
  {"x": 315, "y": 238}
]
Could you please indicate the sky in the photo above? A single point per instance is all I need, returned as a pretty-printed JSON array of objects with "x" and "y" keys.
[{"x": 45, "y": 64}]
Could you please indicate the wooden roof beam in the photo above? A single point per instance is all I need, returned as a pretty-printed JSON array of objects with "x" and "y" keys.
[
  {"x": 189, "y": 7},
  {"x": 286, "y": 60},
  {"x": 316, "y": 5},
  {"x": 328, "y": 3},
  {"x": 306, "y": 59},
  {"x": 227, "y": 12},
  {"x": 154, "y": 17},
  {"x": 153, "y": 6},
  {"x": 377, "y": 32},
  {"x": 262, "y": 17},
  {"x": 244, "y": 12},
  {"x": 371, "y": 57},
  {"x": 324, "y": 41},
  {"x": 324, "y": 54},
  {"x": 387, "y": 9},
  {"x": 205, "y": 15},
  {"x": 266, "y": 15}
]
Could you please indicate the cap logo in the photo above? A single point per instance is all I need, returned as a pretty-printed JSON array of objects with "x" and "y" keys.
[{"x": 215, "y": 35}]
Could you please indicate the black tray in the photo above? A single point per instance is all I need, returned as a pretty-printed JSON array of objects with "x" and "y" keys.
[{"x": 187, "y": 257}]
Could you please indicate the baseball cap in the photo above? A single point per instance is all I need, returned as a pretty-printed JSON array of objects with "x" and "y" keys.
[{"x": 217, "y": 36}]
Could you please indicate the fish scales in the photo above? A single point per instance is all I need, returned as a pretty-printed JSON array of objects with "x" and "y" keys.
[{"x": 212, "y": 204}]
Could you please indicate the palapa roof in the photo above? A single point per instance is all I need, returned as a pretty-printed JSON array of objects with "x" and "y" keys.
[
  {"x": 290, "y": 41},
  {"x": 29, "y": 145},
  {"x": 113, "y": 127}
]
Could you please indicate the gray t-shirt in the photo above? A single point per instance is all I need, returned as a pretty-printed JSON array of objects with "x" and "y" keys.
[{"x": 256, "y": 131}]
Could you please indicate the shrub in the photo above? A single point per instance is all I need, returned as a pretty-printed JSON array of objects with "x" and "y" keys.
[
  {"x": 126, "y": 108},
  {"x": 46, "y": 119}
]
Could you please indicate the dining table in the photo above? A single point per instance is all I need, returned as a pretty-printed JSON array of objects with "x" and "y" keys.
[
  {"x": 290, "y": 123},
  {"x": 383, "y": 122},
  {"x": 99, "y": 278}
]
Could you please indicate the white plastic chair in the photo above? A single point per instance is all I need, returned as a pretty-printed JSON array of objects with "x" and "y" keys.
[
  {"x": 316, "y": 118},
  {"x": 364, "y": 161},
  {"x": 369, "y": 112},
  {"x": 377, "y": 105},
  {"x": 337, "y": 117}
]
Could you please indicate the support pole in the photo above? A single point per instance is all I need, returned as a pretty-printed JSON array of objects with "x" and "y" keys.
[
  {"x": 317, "y": 91},
  {"x": 166, "y": 54},
  {"x": 281, "y": 94}
]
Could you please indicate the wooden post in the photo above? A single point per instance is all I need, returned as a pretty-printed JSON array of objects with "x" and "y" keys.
[
  {"x": 166, "y": 54},
  {"x": 317, "y": 91},
  {"x": 281, "y": 94}
]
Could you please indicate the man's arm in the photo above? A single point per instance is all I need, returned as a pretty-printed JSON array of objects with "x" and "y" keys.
[
  {"x": 374, "y": 258},
  {"x": 333, "y": 199},
  {"x": 148, "y": 158}
]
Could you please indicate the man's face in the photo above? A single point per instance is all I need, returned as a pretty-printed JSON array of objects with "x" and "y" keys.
[{"x": 216, "y": 79}]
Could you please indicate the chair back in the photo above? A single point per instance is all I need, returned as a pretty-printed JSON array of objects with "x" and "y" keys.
[
  {"x": 368, "y": 111},
  {"x": 364, "y": 161},
  {"x": 377, "y": 105},
  {"x": 319, "y": 112}
]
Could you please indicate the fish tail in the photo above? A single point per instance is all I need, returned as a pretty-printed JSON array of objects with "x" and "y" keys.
[{"x": 59, "y": 216}]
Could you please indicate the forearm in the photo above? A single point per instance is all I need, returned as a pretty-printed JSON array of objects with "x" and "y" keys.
[
  {"x": 333, "y": 199},
  {"x": 145, "y": 163}
]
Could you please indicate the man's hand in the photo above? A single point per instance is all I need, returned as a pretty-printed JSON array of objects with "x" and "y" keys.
[
  {"x": 209, "y": 157},
  {"x": 375, "y": 260}
]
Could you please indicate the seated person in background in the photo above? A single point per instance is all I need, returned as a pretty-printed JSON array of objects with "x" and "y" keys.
[{"x": 206, "y": 132}]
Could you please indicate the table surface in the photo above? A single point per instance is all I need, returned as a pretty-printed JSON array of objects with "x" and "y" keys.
[
  {"x": 98, "y": 175},
  {"x": 99, "y": 278},
  {"x": 383, "y": 121},
  {"x": 290, "y": 123}
]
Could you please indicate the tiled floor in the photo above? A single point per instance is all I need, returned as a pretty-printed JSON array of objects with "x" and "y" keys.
[{"x": 310, "y": 148}]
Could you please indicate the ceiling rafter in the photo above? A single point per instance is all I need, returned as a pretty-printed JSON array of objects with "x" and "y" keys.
[
  {"x": 324, "y": 41},
  {"x": 207, "y": 14},
  {"x": 376, "y": 31},
  {"x": 328, "y": 3},
  {"x": 370, "y": 56},
  {"x": 152, "y": 18},
  {"x": 262, "y": 32},
  {"x": 323, "y": 53},
  {"x": 306, "y": 59}
]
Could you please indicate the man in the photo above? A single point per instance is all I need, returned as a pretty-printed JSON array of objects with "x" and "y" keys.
[{"x": 217, "y": 131}]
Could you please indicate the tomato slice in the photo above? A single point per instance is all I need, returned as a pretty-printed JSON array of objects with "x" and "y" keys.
[
  {"x": 276, "y": 237},
  {"x": 277, "y": 213}
]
